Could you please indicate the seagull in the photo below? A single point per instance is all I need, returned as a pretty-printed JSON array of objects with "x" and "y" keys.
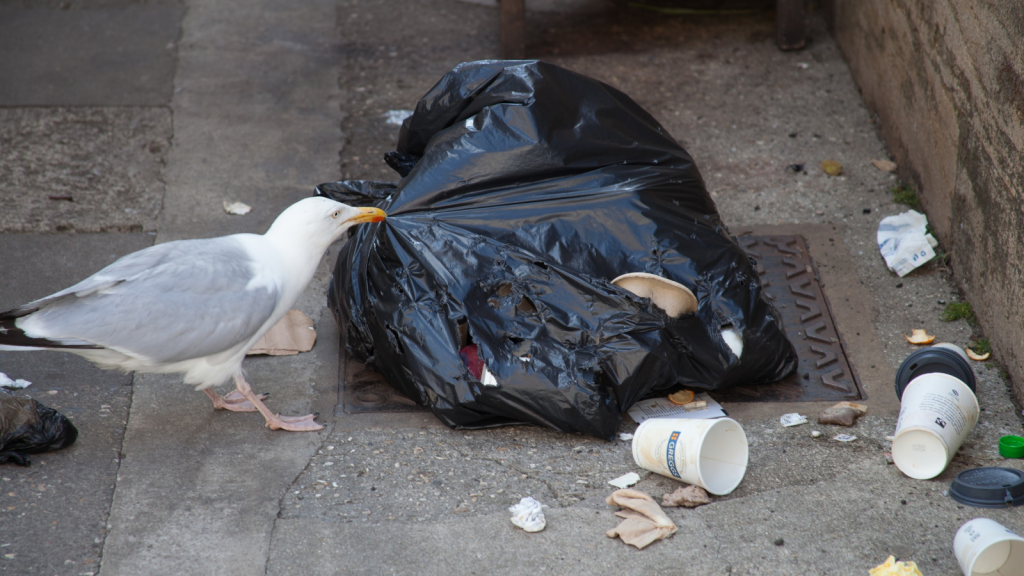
[{"x": 193, "y": 307}]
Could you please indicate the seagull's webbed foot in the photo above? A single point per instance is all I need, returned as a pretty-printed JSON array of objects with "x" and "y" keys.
[
  {"x": 276, "y": 422},
  {"x": 234, "y": 401}
]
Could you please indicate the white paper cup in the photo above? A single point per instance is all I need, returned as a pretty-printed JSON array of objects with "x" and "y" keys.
[
  {"x": 985, "y": 547},
  {"x": 937, "y": 413},
  {"x": 711, "y": 453}
]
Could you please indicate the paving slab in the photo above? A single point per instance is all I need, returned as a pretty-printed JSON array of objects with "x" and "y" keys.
[
  {"x": 256, "y": 114},
  {"x": 82, "y": 169},
  {"x": 88, "y": 53},
  {"x": 255, "y": 120},
  {"x": 53, "y": 514}
]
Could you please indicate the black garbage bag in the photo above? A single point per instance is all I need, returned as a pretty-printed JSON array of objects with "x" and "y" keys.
[
  {"x": 28, "y": 427},
  {"x": 525, "y": 189}
]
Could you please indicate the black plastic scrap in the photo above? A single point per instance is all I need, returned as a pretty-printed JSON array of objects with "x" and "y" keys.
[
  {"x": 527, "y": 188},
  {"x": 28, "y": 427}
]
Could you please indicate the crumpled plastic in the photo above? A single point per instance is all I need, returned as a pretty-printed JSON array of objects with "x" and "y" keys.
[
  {"x": 526, "y": 188},
  {"x": 904, "y": 241},
  {"x": 643, "y": 520},
  {"x": 28, "y": 427},
  {"x": 528, "y": 515}
]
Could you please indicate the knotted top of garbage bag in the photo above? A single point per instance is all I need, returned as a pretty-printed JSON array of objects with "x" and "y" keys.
[{"x": 526, "y": 188}]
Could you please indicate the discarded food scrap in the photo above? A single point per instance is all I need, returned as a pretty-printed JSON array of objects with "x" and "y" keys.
[
  {"x": 919, "y": 337},
  {"x": 216, "y": 295},
  {"x": 842, "y": 414},
  {"x": 977, "y": 357},
  {"x": 682, "y": 397},
  {"x": 892, "y": 567},
  {"x": 688, "y": 496},
  {"x": 643, "y": 520},
  {"x": 528, "y": 515},
  {"x": 832, "y": 168}
]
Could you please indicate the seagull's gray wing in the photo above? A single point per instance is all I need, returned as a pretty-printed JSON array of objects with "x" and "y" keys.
[{"x": 167, "y": 303}]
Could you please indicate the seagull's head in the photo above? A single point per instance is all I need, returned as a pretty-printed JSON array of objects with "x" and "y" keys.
[{"x": 320, "y": 221}]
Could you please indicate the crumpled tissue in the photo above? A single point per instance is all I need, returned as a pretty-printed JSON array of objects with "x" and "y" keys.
[
  {"x": 904, "y": 243},
  {"x": 643, "y": 520},
  {"x": 528, "y": 515}
]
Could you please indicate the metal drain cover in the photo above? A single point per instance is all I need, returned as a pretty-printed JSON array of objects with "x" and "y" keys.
[
  {"x": 791, "y": 283},
  {"x": 789, "y": 280}
]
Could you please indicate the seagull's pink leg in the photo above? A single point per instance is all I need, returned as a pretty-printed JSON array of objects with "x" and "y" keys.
[
  {"x": 233, "y": 401},
  {"x": 274, "y": 422}
]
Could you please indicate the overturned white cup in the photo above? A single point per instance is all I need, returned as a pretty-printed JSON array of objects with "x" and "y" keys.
[
  {"x": 937, "y": 413},
  {"x": 711, "y": 453},
  {"x": 985, "y": 547}
]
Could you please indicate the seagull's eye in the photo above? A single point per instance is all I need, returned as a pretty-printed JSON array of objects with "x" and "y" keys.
[{"x": 336, "y": 213}]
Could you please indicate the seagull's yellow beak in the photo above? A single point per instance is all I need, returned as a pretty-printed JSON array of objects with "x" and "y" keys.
[{"x": 368, "y": 215}]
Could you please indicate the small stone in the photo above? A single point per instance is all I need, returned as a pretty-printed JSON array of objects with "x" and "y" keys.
[{"x": 779, "y": 542}]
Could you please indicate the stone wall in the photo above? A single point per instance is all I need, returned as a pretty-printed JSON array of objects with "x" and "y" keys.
[{"x": 946, "y": 79}]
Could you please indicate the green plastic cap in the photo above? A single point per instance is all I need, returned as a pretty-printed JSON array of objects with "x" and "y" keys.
[{"x": 1011, "y": 447}]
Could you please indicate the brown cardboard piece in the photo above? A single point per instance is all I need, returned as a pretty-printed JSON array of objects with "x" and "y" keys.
[{"x": 292, "y": 334}]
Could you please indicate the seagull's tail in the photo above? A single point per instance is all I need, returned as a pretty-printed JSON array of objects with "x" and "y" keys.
[{"x": 14, "y": 338}]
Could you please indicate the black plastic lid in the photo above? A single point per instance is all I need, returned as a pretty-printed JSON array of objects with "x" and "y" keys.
[
  {"x": 989, "y": 487},
  {"x": 933, "y": 360}
]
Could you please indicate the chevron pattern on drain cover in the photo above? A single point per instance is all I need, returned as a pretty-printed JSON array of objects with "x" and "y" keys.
[{"x": 788, "y": 279}]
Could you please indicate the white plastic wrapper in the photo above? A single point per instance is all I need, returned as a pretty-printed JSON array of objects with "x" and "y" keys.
[
  {"x": 626, "y": 480},
  {"x": 903, "y": 242},
  {"x": 844, "y": 438},
  {"x": 396, "y": 117},
  {"x": 528, "y": 515},
  {"x": 6, "y": 382},
  {"x": 792, "y": 419}
]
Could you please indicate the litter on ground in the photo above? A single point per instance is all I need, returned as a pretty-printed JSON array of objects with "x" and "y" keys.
[
  {"x": 643, "y": 520},
  {"x": 528, "y": 515},
  {"x": 664, "y": 408},
  {"x": 626, "y": 480},
  {"x": 904, "y": 241},
  {"x": 792, "y": 419},
  {"x": 688, "y": 496}
]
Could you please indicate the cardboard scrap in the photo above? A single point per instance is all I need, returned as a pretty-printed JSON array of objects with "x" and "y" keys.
[
  {"x": 643, "y": 520},
  {"x": 292, "y": 334}
]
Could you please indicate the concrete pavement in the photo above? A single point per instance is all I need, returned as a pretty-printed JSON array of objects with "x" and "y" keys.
[{"x": 268, "y": 99}]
